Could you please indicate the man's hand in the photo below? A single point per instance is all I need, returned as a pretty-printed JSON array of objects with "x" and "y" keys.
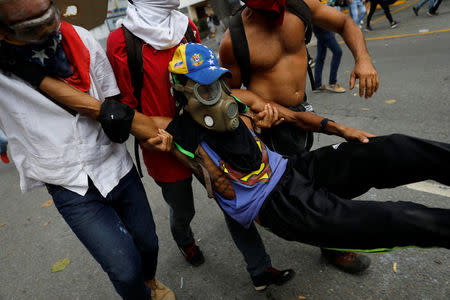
[
  {"x": 268, "y": 117},
  {"x": 352, "y": 134},
  {"x": 161, "y": 142},
  {"x": 367, "y": 75}
]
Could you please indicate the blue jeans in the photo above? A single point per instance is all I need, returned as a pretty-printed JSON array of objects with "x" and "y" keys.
[
  {"x": 3, "y": 142},
  {"x": 181, "y": 201},
  {"x": 326, "y": 39},
  {"x": 118, "y": 231},
  {"x": 354, "y": 7},
  {"x": 422, "y": 2}
]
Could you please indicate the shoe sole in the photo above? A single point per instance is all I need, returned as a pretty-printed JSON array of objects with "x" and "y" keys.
[{"x": 260, "y": 288}]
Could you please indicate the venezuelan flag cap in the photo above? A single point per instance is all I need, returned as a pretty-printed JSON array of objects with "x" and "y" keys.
[{"x": 197, "y": 62}]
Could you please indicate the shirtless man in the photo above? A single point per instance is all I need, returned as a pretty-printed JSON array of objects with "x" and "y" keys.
[{"x": 278, "y": 67}]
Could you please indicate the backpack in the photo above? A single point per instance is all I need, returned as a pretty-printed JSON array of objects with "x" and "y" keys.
[{"x": 134, "y": 47}]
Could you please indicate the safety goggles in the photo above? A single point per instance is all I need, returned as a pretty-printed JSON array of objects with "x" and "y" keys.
[{"x": 37, "y": 30}]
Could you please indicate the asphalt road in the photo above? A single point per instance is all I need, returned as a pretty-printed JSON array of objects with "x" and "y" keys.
[{"x": 415, "y": 82}]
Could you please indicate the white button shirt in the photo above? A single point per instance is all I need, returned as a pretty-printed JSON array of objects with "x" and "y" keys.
[{"x": 49, "y": 145}]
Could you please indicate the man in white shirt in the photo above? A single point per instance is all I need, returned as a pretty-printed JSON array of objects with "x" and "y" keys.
[{"x": 92, "y": 180}]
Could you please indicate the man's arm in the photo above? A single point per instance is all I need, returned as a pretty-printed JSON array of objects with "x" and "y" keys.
[
  {"x": 303, "y": 120},
  {"x": 148, "y": 129},
  {"x": 331, "y": 19}
]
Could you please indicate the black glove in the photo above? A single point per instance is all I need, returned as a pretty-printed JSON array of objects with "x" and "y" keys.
[
  {"x": 116, "y": 119},
  {"x": 12, "y": 63}
]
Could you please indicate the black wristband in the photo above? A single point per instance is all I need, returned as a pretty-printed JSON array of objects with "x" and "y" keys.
[{"x": 323, "y": 125}]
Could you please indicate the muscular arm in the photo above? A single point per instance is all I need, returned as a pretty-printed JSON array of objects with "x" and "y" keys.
[{"x": 329, "y": 18}]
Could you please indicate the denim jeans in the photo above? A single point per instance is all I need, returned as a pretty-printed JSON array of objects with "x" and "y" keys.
[
  {"x": 354, "y": 7},
  {"x": 422, "y": 2},
  {"x": 326, "y": 39},
  {"x": 118, "y": 231},
  {"x": 3, "y": 142},
  {"x": 181, "y": 201}
]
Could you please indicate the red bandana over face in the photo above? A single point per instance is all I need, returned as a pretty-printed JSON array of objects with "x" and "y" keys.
[{"x": 276, "y": 6}]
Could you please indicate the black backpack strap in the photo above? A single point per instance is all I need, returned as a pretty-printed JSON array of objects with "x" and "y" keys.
[
  {"x": 240, "y": 47},
  {"x": 302, "y": 11},
  {"x": 189, "y": 35},
  {"x": 310, "y": 72},
  {"x": 136, "y": 65}
]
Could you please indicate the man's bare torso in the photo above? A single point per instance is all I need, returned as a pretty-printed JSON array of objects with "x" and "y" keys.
[{"x": 278, "y": 58}]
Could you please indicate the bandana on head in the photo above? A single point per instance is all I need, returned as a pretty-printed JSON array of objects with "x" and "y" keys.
[{"x": 277, "y": 6}]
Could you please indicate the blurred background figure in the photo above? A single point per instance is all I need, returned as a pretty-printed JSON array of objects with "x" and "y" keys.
[
  {"x": 326, "y": 39},
  {"x": 216, "y": 27},
  {"x": 430, "y": 11},
  {"x": 3, "y": 147},
  {"x": 357, "y": 11},
  {"x": 385, "y": 6}
]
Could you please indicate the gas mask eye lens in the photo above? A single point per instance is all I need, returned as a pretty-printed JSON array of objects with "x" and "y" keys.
[{"x": 208, "y": 94}]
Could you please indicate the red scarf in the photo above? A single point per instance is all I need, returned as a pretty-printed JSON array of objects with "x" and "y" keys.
[
  {"x": 277, "y": 6},
  {"x": 78, "y": 56}
]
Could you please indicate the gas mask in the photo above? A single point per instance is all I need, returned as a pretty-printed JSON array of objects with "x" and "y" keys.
[
  {"x": 37, "y": 30},
  {"x": 211, "y": 106}
]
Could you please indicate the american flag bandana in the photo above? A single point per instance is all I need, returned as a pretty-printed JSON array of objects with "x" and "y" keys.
[{"x": 49, "y": 55}]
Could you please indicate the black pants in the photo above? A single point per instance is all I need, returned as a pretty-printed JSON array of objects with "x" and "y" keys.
[
  {"x": 311, "y": 203},
  {"x": 373, "y": 6}
]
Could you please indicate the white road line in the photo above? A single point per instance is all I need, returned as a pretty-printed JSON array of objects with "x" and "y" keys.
[{"x": 432, "y": 188}]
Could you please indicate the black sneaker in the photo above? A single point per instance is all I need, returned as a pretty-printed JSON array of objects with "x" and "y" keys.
[
  {"x": 349, "y": 262},
  {"x": 394, "y": 24},
  {"x": 368, "y": 28},
  {"x": 192, "y": 254},
  {"x": 416, "y": 11},
  {"x": 272, "y": 276}
]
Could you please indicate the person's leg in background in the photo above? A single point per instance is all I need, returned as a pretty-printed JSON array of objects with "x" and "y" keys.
[
  {"x": 320, "y": 60},
  {"x": 126, "y": 251},
  {"x": 3, "y": 147},
  {"x": 353, "y": 7},
  {"x": 180, "y": 198},
  {"x": 387, "y": 12},
  {"x": 373, "y": 7},
  {"x": 419, "y": 5},
  {"x": 362, "y": 11},
  {"x": 333, "y": 45}
]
